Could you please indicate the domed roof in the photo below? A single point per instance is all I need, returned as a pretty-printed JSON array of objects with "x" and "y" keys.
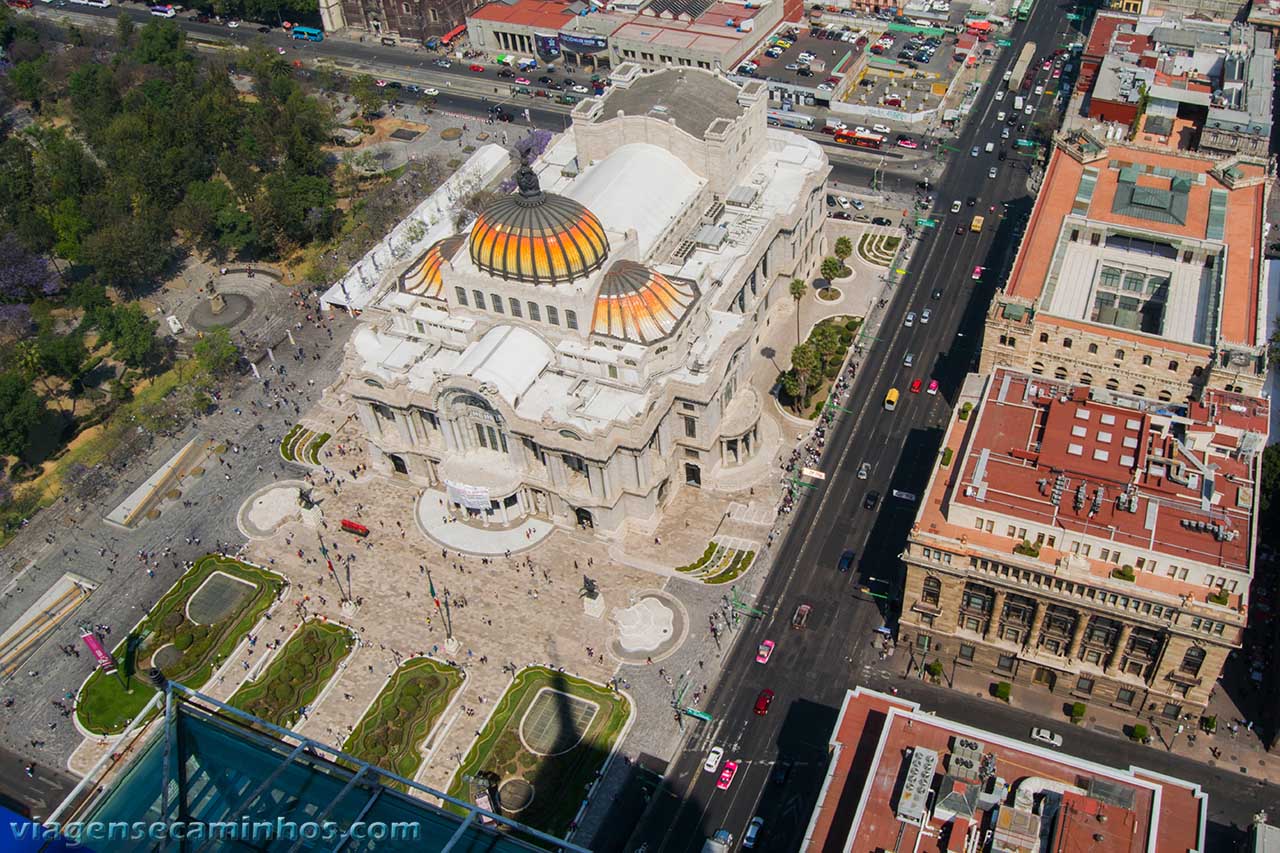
[
  {"x": 637, "y": 304},
  {"x": 537, "y": 237},
  {"x": 423, "y": 276}
]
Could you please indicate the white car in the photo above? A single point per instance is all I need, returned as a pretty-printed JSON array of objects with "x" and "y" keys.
[
  {"x": 863, "y": 470},
  {"x": 1039, "y": 90},
  {"x": 991, "y": 173},
  {"x": 910, "y": 319},
  {"x": 882, "y": 128},
  {"x": 925, "y": 315},
  {"x": 580, "y": 90},
  {"x": 955, "y": 206},
  {"x": 1000, "y": 94},
  {"x": 431, "y": 93},
  {"x": 860, "y": 130},
  {"x": 857, "y": 204},
  {"x": 843, "y": 202},
  {"x": 1047, "y": 737},
  {"x": 712, "y": 764},
  {"x": 1029, "y": 110},
  {"x": 233, "y": 24}
]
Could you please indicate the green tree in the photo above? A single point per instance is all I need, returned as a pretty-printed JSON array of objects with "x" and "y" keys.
[
  {"x": 89, "y": 297},
  {"x": 215, "y": 352},
  {"x": 130, "y": 332},
  {"x": 1269, "y": 496},
  {"x": 831, "y": 268},
  {"x": 127, "y": 253},
  {"x": 797, "y": 289},
  {"x": 29, "y": 81},
  {"x": 368, "y": 96},
  {"x": 124, "y": 31},
  {"x": 295, "y": 209},
  {"x": 825, "y": 339},
  {"x": 21, "y": 412},
  {"x": 806, "y": 364},
  {"x": 843, "y": 249},
  {"x": 63, "y": 355}
]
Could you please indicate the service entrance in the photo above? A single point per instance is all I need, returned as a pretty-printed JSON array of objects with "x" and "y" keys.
[{"x": 585, "y": 519}]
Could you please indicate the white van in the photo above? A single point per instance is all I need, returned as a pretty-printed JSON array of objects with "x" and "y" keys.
[
  {"x": 1017, "y": 104},
  {"x": 991, "y": 146}
]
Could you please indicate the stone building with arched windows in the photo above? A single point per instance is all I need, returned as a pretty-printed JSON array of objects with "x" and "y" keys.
[{"x": 581, "y": 350}]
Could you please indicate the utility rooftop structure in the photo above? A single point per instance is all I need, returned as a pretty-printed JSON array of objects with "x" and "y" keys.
[
  {"x": 902, "y": 778},
  {"x": 1140, "y": 271},
  {"x": 1198, "y": 84},
  {"x": 1094, "y": 543}
]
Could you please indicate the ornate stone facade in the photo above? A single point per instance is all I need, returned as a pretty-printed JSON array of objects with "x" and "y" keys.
[{"x": 585, "y": 351}]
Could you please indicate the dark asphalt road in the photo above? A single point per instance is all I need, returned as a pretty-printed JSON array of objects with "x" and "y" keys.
[{"x": 811, "y": 669}]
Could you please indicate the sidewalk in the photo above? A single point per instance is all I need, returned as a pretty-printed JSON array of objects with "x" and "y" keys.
[{"x": 1242, "y": 752}]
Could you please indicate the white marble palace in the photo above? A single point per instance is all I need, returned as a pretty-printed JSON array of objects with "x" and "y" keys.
[{"x": 583, "y": 349}]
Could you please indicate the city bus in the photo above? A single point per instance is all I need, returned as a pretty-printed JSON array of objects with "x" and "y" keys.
[
  {"x": 1023, "y": 9},
  {"x": 306, "y": 33},
  {"x": 859, "y": 140},
  {"x": 101, "y": 4},
  {"x": 163, "y": 11},
  {"x": 787, "y": 118},
  {"x": 18, "y": 4}
]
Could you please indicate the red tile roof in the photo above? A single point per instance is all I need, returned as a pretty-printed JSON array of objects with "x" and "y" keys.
[
  {"x": 1244, "y": 221},
  {"x": 872, "y": 747},
  {"x": 527, "y": 13},
  {"x": 1032, "y": 432}
]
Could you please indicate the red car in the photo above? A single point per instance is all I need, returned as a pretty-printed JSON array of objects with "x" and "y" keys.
[
  {"x": 915, "y": 386},
  {"x": 763, "y": 701},
  {"x": 726, "y": 775},
  {"x": 477, "y": 68}
]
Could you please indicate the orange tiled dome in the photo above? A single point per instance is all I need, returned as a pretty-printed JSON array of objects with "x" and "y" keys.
[
  {"x": 637, "y": 304},
  {"x": 537, "y": 237},
  {"x": 423, "y": 277}
]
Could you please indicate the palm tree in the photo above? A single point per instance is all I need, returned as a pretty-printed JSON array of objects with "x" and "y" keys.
[
  {"x": 843, "y": 249},
  {"x": 797, "y": 293}
]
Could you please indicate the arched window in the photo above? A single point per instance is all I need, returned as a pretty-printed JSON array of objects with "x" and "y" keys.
[
  {"x": 1093, "y": 349},
  {"x": 1164, "y": 396},
  {"x": 1060, "y": 374},
  {"x": 1119, "y": 355},
  {"x": 1140, "y": 390},
  {"x": 1044, "y": 337},
  {"x": 1038, "y": 368},
  {"x": 1173, "y": 365},
  {"x": 1146, "y": 361},
  {"x": 1192, "y": 661},
  {"x": 1113, "y": 385},
  {"x": 1066, "y": 343},
  {"x": 932, "y": 591},
  {"x": 1086, "y": 378}
]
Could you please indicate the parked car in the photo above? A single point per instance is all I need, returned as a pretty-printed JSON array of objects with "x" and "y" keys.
[{"x": 880, "y": 220}]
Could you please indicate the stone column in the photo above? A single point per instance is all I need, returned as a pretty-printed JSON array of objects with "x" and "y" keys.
[
  {"x": 1037, "y": 622},
  {"x": 1082, "y": 621},
  {"x": 1117, "y": 655},
  {"x": 993, "y": 622}
]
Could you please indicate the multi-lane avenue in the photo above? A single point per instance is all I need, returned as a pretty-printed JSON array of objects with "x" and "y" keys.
[{"x": 810, "y": 669}]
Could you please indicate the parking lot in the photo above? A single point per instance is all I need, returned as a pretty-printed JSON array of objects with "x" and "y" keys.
[
  {"x": 803, "y": 60},
  {"x": 914, "y": 84}
]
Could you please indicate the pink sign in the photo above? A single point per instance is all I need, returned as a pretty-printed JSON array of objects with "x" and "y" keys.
[{"x": 105, "y": 661}]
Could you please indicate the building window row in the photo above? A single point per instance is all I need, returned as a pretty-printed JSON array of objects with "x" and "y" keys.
[
  {"x": 535, "y": 312},
  {"x": 1101, "y": 596}
]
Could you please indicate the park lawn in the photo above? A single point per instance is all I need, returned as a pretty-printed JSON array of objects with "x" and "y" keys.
[
  {"x": 560, "y": 781},
  {"x": 105, "y": 706},
  {"x": 392, "y": 730},
  {"x": 298, "y": 673}
]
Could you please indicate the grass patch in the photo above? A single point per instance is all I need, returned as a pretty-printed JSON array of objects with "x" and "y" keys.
[
  {"x": 313, "y": 449},
  {"x": 399, "y": 720},
  {"x": 701, "y": 561},
  {"x": 947, "y": 455},
  {"x": 559, "y": 781},
  {"x": 832, "y": 339},
  {"x": 286, "y": 443},
  {"x": 105, "y": 706},
  {"x": 741, "y": 562},
  {"x": 298, "y": 673}
]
